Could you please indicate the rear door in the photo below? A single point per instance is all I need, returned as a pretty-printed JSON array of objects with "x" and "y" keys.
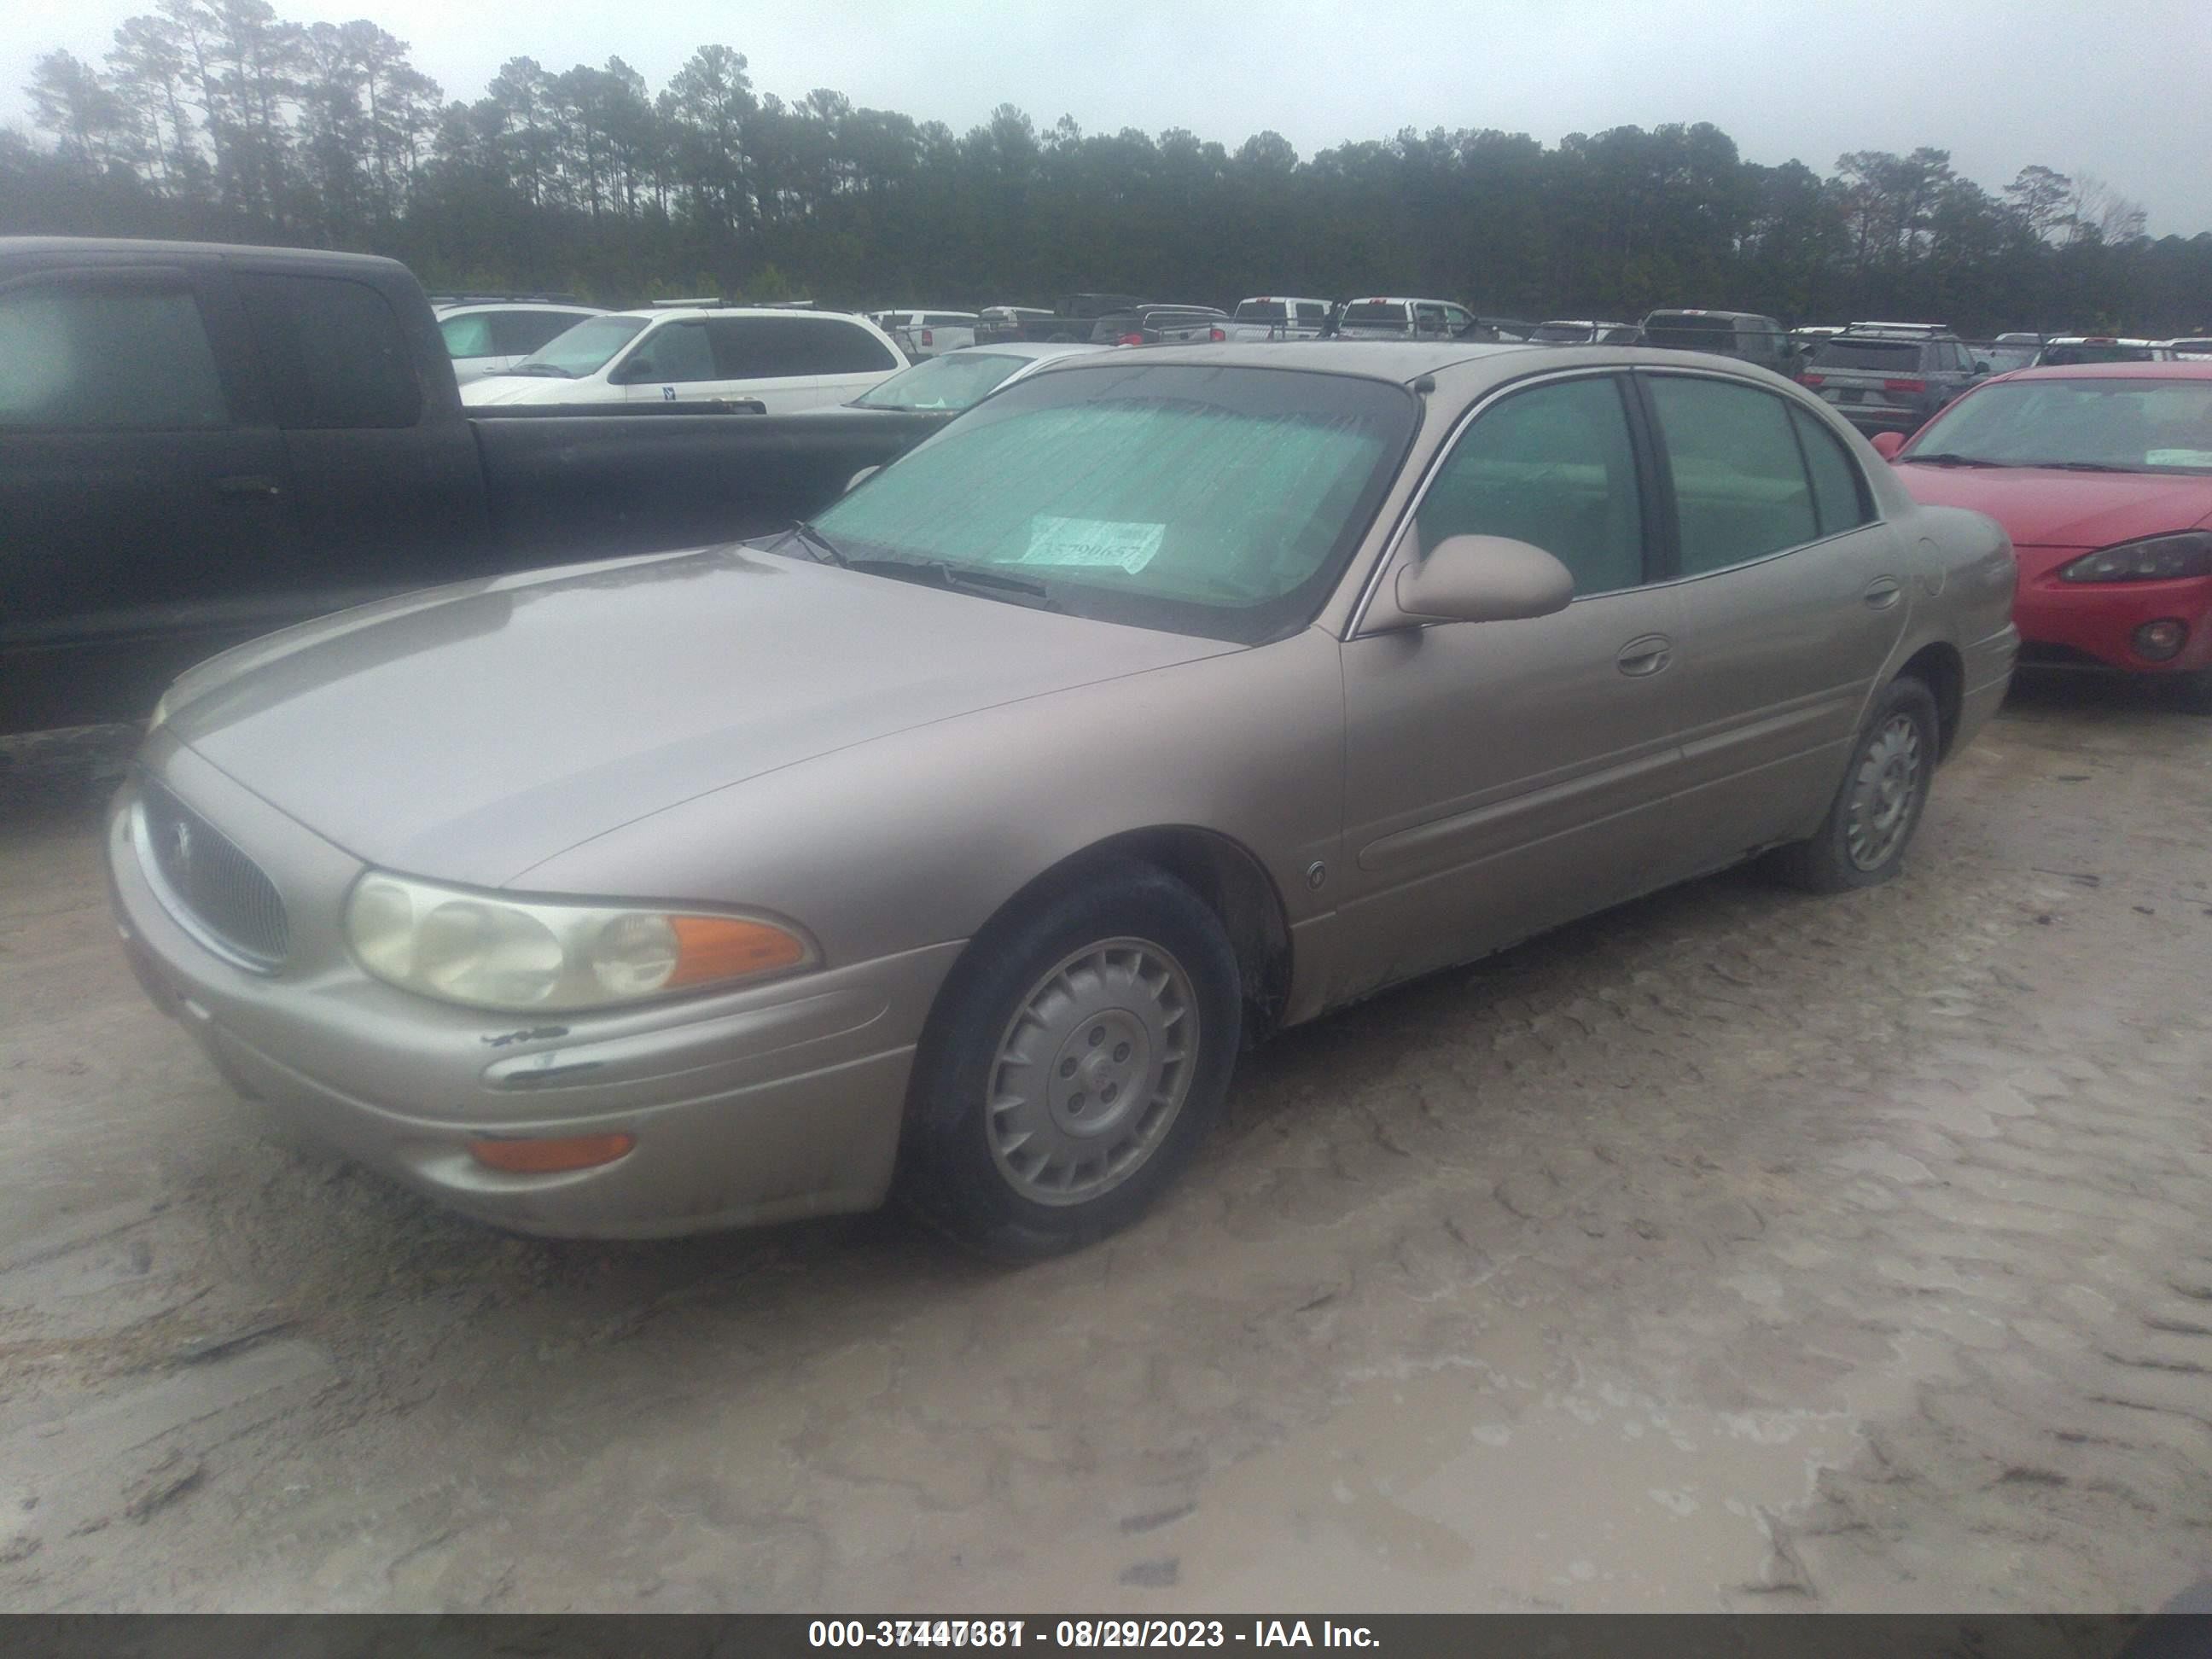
[
  {"x": 387, "y": 493},
  {"x": 1503, "y": 777},
  {"x": 1791, "y": 594},
  {"x": 143, "y": 487}
]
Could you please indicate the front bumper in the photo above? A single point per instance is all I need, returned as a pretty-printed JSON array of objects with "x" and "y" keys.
[
  {"x": 2098, "y": 620},
  {"x": 760, "y": 1105}
]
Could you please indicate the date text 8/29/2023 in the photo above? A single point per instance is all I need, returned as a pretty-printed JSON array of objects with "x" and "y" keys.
[{"x": 1083, "y": 1633}]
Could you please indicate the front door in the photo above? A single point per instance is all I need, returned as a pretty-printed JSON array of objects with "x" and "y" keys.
[
  {"x": 1503, "y": 777},
  {"x": 1793, "y": 596},
  {"x": 143, "y": 487}
]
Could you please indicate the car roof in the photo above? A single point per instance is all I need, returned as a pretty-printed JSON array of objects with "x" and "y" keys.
[
  {"x": 1400, "y": 361},
  {"x": 96, "y": 247},
  {"x": 459, "y": 307},
  {"x": 1400, "y": 299},
  {"x": 651, "y": 311},
  {"x": 1696, "y": 311},
  {"x": 2181, "y": 368},
  {"x": 2101, "y": 339},
  {"x": 1582, "y": 322}
]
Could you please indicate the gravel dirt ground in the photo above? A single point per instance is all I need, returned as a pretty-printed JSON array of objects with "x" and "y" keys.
[{"x": 1735, "y": 1249}]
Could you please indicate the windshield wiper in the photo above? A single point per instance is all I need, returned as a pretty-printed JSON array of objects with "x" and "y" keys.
[
  {"x": 824, "y": 550},
  {"x": 2084, "y": 466},
  {"x": 958, "y": 578},
  {"x": 1943, "y": 458}
]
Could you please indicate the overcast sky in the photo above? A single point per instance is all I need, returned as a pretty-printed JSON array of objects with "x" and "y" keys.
[{"x": 2100, "y": 88}]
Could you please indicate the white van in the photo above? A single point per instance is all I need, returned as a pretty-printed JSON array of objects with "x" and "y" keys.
[{"x": 787, "y": 359}]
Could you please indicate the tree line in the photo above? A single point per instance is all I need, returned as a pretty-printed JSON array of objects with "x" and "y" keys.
[{"x": 220, "y": 120}]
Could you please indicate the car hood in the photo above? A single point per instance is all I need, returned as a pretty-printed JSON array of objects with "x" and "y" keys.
[
  {"x": 490, "y": 389},
  {"x": 470, "y": 732},
  {"x": 2042, "y": 508}
]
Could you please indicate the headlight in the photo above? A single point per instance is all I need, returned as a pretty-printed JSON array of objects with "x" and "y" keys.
[
  {"x": 491, "y": 953},
  {"x": 2153, "y": 559}
]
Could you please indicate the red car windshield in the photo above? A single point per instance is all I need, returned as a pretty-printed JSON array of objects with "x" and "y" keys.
[{"x": 2125, "y": 426}]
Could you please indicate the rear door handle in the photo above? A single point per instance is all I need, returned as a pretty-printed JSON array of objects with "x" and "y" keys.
[
  {"x": 1645, "y": 656},
  {"x": 246, "y": 483},
  {"x": 1882, "y": 593}
]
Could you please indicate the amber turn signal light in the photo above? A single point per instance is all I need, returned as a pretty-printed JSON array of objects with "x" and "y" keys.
[{"x": 550, "y": 1156}]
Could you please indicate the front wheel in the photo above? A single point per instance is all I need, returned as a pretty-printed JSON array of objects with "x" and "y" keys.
[
  {"x": 1861, "y": 841},
  {"x": 1072, "y": 1066},
  {"x": 2192, "y": 691}
]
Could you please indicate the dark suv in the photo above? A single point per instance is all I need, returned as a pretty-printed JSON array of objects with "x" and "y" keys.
[{"x": 1893, "y": 377}]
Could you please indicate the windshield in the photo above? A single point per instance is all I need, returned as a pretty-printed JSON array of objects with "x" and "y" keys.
[
  {"x": 1562, "y": 333},
  {"x": 2134, "y": 426},
  {"x": 584, "y": 349},
  {"x": 953, "y": 381},
  {"x": 1216, "y": 501},
  {"x": 1884, "y": 356}
]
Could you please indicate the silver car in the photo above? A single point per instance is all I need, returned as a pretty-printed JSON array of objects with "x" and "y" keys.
[{"x": 955, "y": 844}]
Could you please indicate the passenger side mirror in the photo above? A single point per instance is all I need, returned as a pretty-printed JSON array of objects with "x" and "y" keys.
[
  {"x": 1472, "y": 578},
  {"x": 860, "y": 477},
  {"x": 1887, "y": 444},
  {"x": 1981, "y": 365},
  {"x": 638, "y": 370}
]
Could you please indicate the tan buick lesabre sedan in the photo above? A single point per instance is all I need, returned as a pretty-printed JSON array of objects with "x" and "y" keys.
[{"x": 954, "y": 844}]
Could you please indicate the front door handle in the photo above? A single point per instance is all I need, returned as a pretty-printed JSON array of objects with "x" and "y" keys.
[
  {"x": 1647, "y": 655},
  {"x": 246, "y": 483},
  {"x": 1882, "y": 593}
]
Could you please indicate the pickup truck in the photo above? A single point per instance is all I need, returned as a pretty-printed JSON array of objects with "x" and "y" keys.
[
  {"x": 1268, "y": 317},
  {"x": 1074, "y": 319},
  {"x": 201, "y": 443}
]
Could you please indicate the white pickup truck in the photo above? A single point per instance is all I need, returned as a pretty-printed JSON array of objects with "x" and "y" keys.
[
  {"x": 1270, "y": 317},
  {"x": 928, "y": 333}
]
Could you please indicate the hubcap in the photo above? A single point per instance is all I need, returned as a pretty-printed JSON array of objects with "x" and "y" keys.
[
  {"x": 1885, "y": 787},
  {"x": 1091, "y": 1070}
]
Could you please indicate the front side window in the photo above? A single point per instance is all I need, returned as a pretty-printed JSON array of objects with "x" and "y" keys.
[
  {"x": 678, "y": 353},
  {"x": 1223, "y": 503},
  {"x": 1553, "y": 466},
  {"x": 107, "y": 356},
  {"x": 337, "y": 358},
  {"x": 1741, "y": 490}
]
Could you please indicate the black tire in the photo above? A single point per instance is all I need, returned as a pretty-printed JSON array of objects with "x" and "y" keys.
[
  {"x": 1826, "y": 862},
  {"x": 952, "y": 1175}
]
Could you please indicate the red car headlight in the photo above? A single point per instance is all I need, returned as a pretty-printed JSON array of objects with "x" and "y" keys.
[{"x": 2153, "y": 559}]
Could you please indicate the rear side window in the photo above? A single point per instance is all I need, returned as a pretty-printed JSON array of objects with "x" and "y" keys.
[
  {"x": 518, "y": 333},
  {"x": 1553, "y": 466},
  {"x": 784, "y": 348},
  {"x": 106, "y": 356},
  {"x": 1840, "y": 501},
  {"x": 336, "y": 355},
  {"x": 1741, "y": 492},
  {"x": 469, "y": 335}
]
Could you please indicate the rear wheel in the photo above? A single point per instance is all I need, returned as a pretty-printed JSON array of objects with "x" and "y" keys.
[
  {"x": 1073, "y": 1064},
  {"x": 1861, "y": 841}
]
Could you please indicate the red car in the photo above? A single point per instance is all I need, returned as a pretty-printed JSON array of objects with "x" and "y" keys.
[{"x": 2102, "y": 475}]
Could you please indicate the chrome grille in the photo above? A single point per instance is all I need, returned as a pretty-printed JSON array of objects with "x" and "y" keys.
[{"x": 214, "y": 888}]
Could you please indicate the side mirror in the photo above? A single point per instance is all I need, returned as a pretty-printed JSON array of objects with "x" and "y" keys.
[
  {"x": 1472, "y": 578},
  {"x": 1887, "y": 444},
  {"x": 635, "y": 372},
  {"x": 1981, "y": 365},
  {"x": 860, "y": 477}
]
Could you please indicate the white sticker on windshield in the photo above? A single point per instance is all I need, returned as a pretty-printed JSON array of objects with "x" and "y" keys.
[
  {"x": 1126, "y": 547},
  {"x": 2178, "y": 458}
]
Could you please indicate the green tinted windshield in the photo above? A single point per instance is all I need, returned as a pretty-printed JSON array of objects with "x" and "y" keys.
[
  {"x": 955, "y": 381},
  {"x": 583, "y": 349},
  {"x": 2142, "y": 425},
  {"x": 1220, "y": 501}
]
